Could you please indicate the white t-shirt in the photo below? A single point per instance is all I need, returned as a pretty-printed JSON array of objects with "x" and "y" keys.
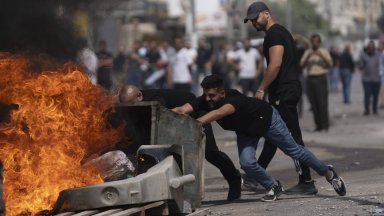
[
  {"x": 181, "y": 72},
  {"x": 88, "y": 59},
  {"x": 193, "y": 53},
  {"x": 247, "y": 61},
  {"x": 231, "y": 55}
]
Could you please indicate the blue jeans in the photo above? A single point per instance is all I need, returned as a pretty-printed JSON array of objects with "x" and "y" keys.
[
  {"x": 333, "y": 79},
  {"x": 279, "y": 135},
  {"x": 346, "y": 78}
]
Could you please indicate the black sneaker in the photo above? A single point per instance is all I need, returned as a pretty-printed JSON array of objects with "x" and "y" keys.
[
  {"x": 234, "y": 192},
  {"x": 337, "y": 182},
  {"x": 273, "y": 193},
  {"x": 303, "y": 188}
]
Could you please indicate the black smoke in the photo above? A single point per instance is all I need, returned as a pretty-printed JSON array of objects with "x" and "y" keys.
[{"x": 39, "y": 27}]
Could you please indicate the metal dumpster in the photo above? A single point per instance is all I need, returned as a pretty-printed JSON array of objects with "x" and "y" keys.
[
  {"x": 149, "y": 123},
  {"x": 173, "y": 141}
]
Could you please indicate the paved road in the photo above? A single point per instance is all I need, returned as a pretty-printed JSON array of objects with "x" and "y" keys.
[{"x": 354, "y": 144}]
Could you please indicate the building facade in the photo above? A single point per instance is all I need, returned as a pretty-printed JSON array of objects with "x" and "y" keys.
[{"x": 356, "y": 17}]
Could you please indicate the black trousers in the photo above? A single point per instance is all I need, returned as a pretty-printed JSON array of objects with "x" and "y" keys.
[
  {"x": 249, "y": 85},
  {"x": 371, "y": 91},
  {"x": 317, "y": 91},
  {"x": 218, "y": 158},
  {"x": 286, "y": 104},
  {"x": 104, "y": 78}
]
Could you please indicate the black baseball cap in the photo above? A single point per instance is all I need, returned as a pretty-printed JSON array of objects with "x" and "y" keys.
[{"x": 254, "y": 9}]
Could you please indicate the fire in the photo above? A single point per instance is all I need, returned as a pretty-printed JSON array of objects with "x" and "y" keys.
[{"x": 61, "y": 117}]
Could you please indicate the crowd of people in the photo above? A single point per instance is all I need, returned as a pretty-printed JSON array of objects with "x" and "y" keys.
[
  {"x": 370, "y": 63},
  {"x": 154, "y": 64},
  {"x": 158, "y": 64}
]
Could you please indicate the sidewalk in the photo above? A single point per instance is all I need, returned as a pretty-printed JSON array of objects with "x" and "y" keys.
[{"x": 354, "y": 145}]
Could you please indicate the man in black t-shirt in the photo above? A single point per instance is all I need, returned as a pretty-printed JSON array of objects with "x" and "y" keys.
[
  {"x": 281, "y": 79},
  {"x": 251, "y": 119},
  {"x": 171, "y": 99}
]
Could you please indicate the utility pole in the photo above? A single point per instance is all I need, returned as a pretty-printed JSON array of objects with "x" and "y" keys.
[
  {"x": 367, "y": 26},
  {"x": 288, "y": 15},
  {"x": 191, "y": 30},
  {"x": 230, "y": 13},
  {"x": 241, "y": 5}
]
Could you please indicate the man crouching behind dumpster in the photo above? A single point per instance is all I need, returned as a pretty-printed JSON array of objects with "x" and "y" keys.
[
  {"x": 171, "y": 99},
  {"x": 251, "y": 119}
]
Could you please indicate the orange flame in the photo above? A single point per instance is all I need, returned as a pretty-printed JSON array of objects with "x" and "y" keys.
[{"x": 61, "y": 117}]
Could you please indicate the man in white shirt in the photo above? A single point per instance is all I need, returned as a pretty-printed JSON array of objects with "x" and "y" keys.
[
  {"x": 250, "y": 63},
  {"x": 88, "y": 59},
  {"x": 182, "y": 67}
]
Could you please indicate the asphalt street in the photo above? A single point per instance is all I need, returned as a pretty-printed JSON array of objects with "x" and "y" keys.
[{"x": 354, "y": 144}]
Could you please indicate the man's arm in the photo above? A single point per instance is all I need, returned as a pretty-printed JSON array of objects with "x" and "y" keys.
[
  {"x": 217, "y": 114},
  {"x": 185, "y": 109},
  {"x": 326, "y": 57},
  {"x": 273, "y": 68},
  {"x": 305, "y": 57}
]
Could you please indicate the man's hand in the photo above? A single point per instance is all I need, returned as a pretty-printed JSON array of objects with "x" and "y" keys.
[
  {"x": 178, "y": 110},
  {"x": 185, "y": 109},
  {"x": 259, "y": 94}
]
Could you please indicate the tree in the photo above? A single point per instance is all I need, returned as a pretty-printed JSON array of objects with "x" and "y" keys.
[{"x": 305, "y": 18}]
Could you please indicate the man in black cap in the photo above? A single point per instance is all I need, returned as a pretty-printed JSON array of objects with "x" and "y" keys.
[
  {"x": 170, "y": 99},
  {"x": 281, "y": 79}
]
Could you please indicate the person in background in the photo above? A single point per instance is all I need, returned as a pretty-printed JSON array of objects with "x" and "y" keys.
[
  {"x": 105, "y": 63},
  {"x": 143, "y": 49},
  {"x": 119, "y": 67},
  {"x": 170, "y": 53},
  {"x": 231, "y": 59},
  {"x": 87, "y": 58},
  {"x": 157, "y": 62},
  {"x": 182, "y": 67},
  {"x": 134, "y": 62},
  {"x": 203, "y": 62},
  {"x": 371, "y": 78},
  {"x": 347, "y": 67},
  {"x": 302, "y": 44},
  {"x": 334, "y": 70},
  {"x": 171, "y": 99},
  {"x": 317, "y": 62},
  {"x": 250, "y": 67},
  {"x": 192, "y": 51},
  {"x": 169, "y": 50},
  {"x": 381, "y": 94},
  {"x": 221, "y": 65},
  {"x": 281, "y": 79}
]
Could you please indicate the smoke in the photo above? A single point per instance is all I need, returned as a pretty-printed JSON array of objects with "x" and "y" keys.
[{"x": 42, "y": 27}]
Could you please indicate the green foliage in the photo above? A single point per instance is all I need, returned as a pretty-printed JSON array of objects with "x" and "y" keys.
[{"x": 305, "y": 18}]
